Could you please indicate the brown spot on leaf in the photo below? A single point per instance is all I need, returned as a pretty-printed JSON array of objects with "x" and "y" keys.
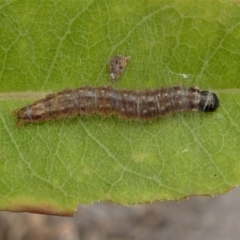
[
  {"x": 117, "y": 66},
  {"x": 41, "y": 208}
]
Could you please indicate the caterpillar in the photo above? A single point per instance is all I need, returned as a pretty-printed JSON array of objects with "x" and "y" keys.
[{"x": 106, "y": 101}]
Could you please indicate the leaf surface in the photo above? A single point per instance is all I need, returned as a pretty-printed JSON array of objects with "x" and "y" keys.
[{"x": 47, "y": 46}]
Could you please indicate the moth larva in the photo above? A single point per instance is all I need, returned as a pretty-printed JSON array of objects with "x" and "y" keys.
[{"x": 129, "y": 104}]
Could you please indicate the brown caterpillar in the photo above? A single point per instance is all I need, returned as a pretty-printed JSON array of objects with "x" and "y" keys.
[{"x": 129, "y": 104}]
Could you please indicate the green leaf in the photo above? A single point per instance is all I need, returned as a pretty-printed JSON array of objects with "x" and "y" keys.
[{"x": 47, "y": 46}]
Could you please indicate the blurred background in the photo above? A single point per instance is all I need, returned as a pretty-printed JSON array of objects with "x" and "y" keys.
[{"x": 193, "y": 218}]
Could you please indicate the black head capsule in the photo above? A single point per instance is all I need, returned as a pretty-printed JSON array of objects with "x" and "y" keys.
[{"x": 209, "y": 101}]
